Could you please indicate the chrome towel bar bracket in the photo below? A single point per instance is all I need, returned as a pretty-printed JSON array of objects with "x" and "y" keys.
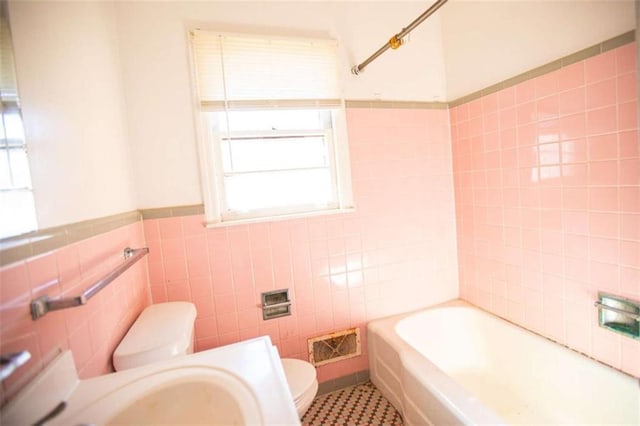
[{"x": 42, "y": 305}]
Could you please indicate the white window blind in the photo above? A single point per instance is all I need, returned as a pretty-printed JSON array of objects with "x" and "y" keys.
[{"x": 244, "y": 71}]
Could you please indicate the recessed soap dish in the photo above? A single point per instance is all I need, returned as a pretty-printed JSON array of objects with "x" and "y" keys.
[{"x": 619, "y": 314}]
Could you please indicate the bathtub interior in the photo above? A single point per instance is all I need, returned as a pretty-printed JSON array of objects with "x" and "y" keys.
[
  {"x": 520, "y": 376},
  {"x": 461, "y": 346}
]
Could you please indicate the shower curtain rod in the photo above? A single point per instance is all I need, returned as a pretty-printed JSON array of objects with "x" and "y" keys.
[{"x": 396, "y": 41}]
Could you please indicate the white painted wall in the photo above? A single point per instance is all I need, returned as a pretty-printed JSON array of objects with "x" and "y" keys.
[
  {"x": 486, "y": 42},
  {"x": 70, "y": 85},
  {"x": 80, "y": 63},
  {"x": 156, "y": 71}
]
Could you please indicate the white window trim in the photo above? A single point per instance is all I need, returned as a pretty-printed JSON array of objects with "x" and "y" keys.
[
  {"x": 212, "y": 177},
  {"x": 16, "y": 219}
]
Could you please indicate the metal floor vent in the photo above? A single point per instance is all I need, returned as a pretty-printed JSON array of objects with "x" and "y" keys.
[{"x": 334, "y": 346}]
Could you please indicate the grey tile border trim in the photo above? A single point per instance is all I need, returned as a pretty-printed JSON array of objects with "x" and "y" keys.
[
  {"x": 343, "y": 382},
  {"x": 324, "y": 387},
  {"x": 355, "y": 103},
  {"x": 469, "y": 98},
  {"x": 491, "y": 89},
  {"x": 362, "y": 376},
  {"x": 580, "y": 55},
  {"x": 546, "y": 68},
  {"x": 175, "y": 211},
  {"x": 520, "y": 78},
  {"x": 15, "y": 254},
  {"x": 21, "y": 247},
  {"x": 621, "y": 40}
]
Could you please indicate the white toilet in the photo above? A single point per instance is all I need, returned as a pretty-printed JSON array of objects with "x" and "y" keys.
[
  {"x": 165, "y": 330},
  {"x": 303, "y": 384}
]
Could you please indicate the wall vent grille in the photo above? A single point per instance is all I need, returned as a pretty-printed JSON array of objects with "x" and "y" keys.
[{"x": 334, "y": 346}]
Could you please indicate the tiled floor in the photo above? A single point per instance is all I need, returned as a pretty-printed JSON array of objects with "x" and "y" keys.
[{"x": 360, "y": 405}]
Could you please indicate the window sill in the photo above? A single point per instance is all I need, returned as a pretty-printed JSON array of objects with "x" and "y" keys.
[{"x": 245, "y": 221}]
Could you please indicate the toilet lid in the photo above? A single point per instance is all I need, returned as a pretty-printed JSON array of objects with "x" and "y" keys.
[{"x": 300, "y": 376}]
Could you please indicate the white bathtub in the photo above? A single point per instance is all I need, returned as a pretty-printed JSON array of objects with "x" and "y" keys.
[{"x": 456, "y": 364}]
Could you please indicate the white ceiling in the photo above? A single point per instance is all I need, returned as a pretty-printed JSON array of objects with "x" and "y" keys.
[{"x": 466, "y": 46}]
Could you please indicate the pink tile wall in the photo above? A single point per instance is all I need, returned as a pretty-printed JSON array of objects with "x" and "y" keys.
[
  {"x": 395, "y": 253},
  {"x": 548, "y": 201},
  {"x": 92, "y": 331}
]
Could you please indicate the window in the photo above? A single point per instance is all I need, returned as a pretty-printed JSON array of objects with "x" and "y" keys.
[
  {"x": 273, "y": 139},
  {"x": 17, "y": 210}
]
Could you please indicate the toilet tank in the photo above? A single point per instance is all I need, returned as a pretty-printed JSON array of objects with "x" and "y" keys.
[{"x": 162, "y": 331}]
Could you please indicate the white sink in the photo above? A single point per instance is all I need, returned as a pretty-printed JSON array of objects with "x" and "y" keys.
[
  {"x": 185, "y": 395},
  {"x": 239, "y": 384}
]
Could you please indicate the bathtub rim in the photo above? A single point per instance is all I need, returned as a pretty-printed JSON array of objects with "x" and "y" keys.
[
  {"x": 441, "y": 386},
  {"x": 464, "y": 304}
]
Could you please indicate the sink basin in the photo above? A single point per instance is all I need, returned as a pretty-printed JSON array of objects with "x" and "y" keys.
[
  {"x": 186, "y": 395},
  {"x": 239, "y": 384}
]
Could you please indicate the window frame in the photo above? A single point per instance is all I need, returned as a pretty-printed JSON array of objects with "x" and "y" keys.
[
  {"x": 9, "y": 106},
  {"x": 212, "y": 170}
]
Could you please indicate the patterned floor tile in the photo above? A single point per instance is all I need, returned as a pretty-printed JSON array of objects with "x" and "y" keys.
[{"x": 355, "y": 406}]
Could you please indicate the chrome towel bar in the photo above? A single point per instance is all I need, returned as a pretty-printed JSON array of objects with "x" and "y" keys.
[{"x": 44, "y": 304}]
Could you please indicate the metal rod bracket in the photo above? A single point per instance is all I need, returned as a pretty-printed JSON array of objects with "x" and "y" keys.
[
  {"x": 397, "y": 40},
  {"x": 39, "y": 307}
]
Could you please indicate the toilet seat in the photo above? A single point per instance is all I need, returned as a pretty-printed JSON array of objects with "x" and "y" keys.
[
  {"x": 300, "y": 376},
  {"x": 304, "y": 401},
  {"x": 302, "y": 381}
]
